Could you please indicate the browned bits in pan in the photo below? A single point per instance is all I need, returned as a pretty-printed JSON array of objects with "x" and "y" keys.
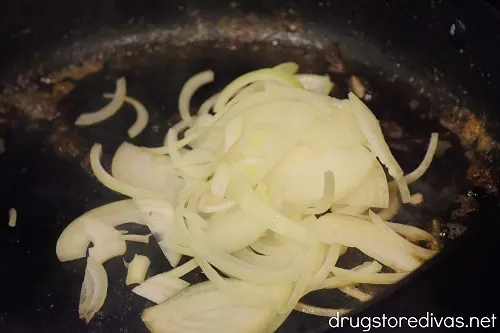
[
  {"x": 75, "y": 72},
  {"x": 468, "y": 128},
  {"x": 391, "y": 129},
  {"x": 483, "y": 176},
  {"x": 334, "y": 59},
  {"x": 467, "y": 206}
]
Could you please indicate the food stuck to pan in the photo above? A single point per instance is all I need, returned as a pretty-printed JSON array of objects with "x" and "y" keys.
[{"x": 264, "y": 189}]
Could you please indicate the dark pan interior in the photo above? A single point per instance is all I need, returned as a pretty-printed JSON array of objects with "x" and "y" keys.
[{"x": 45, "y": 170}]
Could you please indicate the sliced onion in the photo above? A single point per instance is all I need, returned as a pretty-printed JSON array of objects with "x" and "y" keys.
[
  {"x": 233, "y": 132},
  {"x": 372, "y": 192},
  {"x": 416, "y": 199},
  {"x": 158, "y": 215},
  {"x": 94, "y": 290},
  {"x": 202, "y": 308},
  {"x": 339, "y": 282},
  {"x": 142, "y": 115},
  {"x": 211, "y": 204},
  {"x": 137, "y": 269},
  {"x": 160, "y": 288},
  {"x": 12, "y": 217},
  {"x": 207, "y": 106},
  {"x": 426, "y": 162},
  {"x": 320, "y": 84},
  {"x": 188, "y": 90},
  {"x": 258, "y": 75},
  {"x": 413, "y": 233},
  {"x": 240, "y": 191},
  {"x": 108, "y": 242},
  {"x": 322, "y": 312},
  {"x": 288, "y": 67},
  {"x": 348, "y": 210},
  {"x": 393, "y": 207},
  {"x": 109, "y": 110},
  {"x": 234, "y": 267},
  {"x": 373, "y": 278},
  {"x": 368, "y": 238},
  {"x": 416, "y": 250},
  {"x": 130, "y": 162},
  {"x": 371, "y": 129},
  {"x": 115, "y": 184},
  {"x": 326, "y": 200},
  {"x": 137, "y": 238},
  {"x": 74, "y": 240},
  {"x": 324, "y": 271},
  {"x": 356, "y": 293}
]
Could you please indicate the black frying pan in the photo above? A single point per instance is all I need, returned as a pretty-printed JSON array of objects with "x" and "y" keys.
[{"x": 422, "y": 74}]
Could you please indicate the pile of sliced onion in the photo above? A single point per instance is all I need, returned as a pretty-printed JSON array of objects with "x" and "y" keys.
[{"x": 238, "y": 188}]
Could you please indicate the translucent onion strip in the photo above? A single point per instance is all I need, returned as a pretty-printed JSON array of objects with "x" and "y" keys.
[
  {"x": 137, "y": 269},
  {"x": 109, "y": 110},
  {"x": 415, "y": 250},
  {"x": 356, "y": 293},
  {"x": 426, "y": 162},
  {"x": 343, "y": 281},
  {"x": 288, "y": 67},
  {"x": 327, "y": 198},
  {"x": 371, "y": 129},
  {"x": 113, "y": 183},
  {"x": 12, "y": 217},
  {"x": 137, "y": 238},
  {"x": 413, "y": 233},
  {"x": 94, "y": 290},
  {"x": 317, "y": 311},
  {"x": 374, "y": 278},
  {"x": 142, "y": 118},
  {"x": 160, "y": 287},
  {"x": 187, "y": 92}
]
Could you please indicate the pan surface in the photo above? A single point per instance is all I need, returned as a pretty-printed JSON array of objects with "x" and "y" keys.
[{"x": 45, "y": 170}]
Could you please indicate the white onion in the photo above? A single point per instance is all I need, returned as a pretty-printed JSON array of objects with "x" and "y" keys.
[
  {"x": 317, "y": 311},
  {"x": 288, "y": 67},
  {"x": 74, "y": 240},
  {"x": 426, "y": 162},
  {"x": 203, "y": 308},
  {"x": 12, "y": 217},
  {"x": 368, "y": 238},
  {"x": 188, "y": 91},
  {"x": 136, "y": 238},
  {"x": 236, "y": 187},
  {"x": 160, "y": 288},
  {"x": 371, "y": 129},
  {"x": 94, "y": 290},
  {"x": 356, "y": 293},
  {"x": 109, "y": 110},
  {"x": 374, "y": 278},
  {"x": 137, "y": 269},
  {"x": 142, "y": 115},
  {"x": 316, "y": 83}
]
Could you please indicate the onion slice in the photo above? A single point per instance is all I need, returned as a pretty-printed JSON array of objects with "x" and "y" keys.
[
  {"x": 320, "y": 84},
  {"x": 74, "y": 240},
  {"x": 371, "y": 129},
  {"x": 137, "y": 269},
  {"x": 94, "y": 290},
  {"x": 12, "y": 217},
  {"x": 426, "y": 162},
  {"x": 109, "y": 110},
  {"x": 322, "y": 312},
  {"x": 142, "y": 115},
  {"x": 115, "y": 184},
  {"x": 188, "y": 90}
]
